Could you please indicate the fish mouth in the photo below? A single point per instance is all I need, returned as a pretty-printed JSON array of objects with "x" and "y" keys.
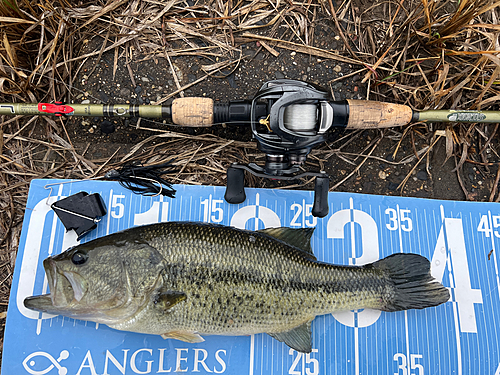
[
  {"x": 67, "y": 296},
  {"x": 66, "y": 289},
  {"x": 41, "y": 303}
]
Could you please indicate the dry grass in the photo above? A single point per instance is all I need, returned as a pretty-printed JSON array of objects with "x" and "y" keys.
[{"x": 428, "y": 54}]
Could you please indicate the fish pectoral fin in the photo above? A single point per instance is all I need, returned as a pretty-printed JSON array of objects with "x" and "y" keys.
[
  {"x": 298, "y": 338},
  {"x": 166, "y": 299},
  {"x": 185, "y": 336}
]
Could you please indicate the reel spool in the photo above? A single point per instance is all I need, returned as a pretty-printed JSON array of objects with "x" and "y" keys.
[
  {"x": 288, "y": 118},
  {"x": 301, "y": 118}
]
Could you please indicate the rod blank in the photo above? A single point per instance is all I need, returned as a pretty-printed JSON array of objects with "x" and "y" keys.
[{"x": 458, "y": 116}]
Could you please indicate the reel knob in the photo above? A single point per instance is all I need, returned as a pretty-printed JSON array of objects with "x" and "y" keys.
[
  {"x": 321, "y": 186},
  {"x": 235, "y": 187}
]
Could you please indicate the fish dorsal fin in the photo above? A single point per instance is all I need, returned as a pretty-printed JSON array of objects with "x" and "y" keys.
[
  {"x": 297, "y": 237},
  {"x": 166, "y": 299},
  {"x": 298, "y": 338}
]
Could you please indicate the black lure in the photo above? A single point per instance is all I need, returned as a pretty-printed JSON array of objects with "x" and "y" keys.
[
  {"x": 145, "y": 180},
  {"x": 80, "y": 212}
]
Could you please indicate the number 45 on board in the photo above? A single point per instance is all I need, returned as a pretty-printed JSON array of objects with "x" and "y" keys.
[{"x": 488, "y": 224}]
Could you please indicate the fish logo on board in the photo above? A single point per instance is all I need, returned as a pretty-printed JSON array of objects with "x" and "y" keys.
[{"x": 31, "y": 363}]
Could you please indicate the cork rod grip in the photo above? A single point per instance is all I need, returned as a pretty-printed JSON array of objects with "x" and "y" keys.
[
  {"x": 196, "y": 112},
  {"x": 367, "y": 114}
]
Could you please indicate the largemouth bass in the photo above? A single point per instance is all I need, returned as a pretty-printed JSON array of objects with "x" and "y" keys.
[{"x": 184, "y": 280}]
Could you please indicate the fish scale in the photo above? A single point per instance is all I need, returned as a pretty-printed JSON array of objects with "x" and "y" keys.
[
  {"x": 184, "y": 280},
  {"x": 272, "y": 267}
]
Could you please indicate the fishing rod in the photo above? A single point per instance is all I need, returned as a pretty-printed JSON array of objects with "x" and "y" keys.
[{"x": 288, "y": 118}]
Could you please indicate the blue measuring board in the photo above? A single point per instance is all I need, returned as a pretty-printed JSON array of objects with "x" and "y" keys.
[{"x": 459, "y": 337}]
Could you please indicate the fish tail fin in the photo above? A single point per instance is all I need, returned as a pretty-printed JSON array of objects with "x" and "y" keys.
[{"x": 412, "y": 286}]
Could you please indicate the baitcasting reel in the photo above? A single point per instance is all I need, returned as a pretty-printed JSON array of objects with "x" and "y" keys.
[{"x": 288, "y": 118}]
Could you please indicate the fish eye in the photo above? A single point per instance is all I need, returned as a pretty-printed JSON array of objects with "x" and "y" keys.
[{"x": 79, "y": 258}]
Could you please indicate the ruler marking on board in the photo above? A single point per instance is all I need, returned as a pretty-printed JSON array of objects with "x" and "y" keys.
[
  {"x": 455, "y": 303},
  {"x": 262, "y": 346},
  {"x": 492, "y": 235},
  {"x": 50, "y": 251},
  {"x": 422, "y": 239},
  {"x": 108, "y": 222},
  {"x": 401, "y": 250},
  {"x": 382, "y": 242},
  {"x": 109, "y": 215},
  {"x": 449, "y": 261},
  {"x": 412, "y": 249},
  {"x": 353, "y": 257},
  {"x": 474, "y": 246},
  {"x": 494, "y": 256},
  {"x": 180, "y": 207}
]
